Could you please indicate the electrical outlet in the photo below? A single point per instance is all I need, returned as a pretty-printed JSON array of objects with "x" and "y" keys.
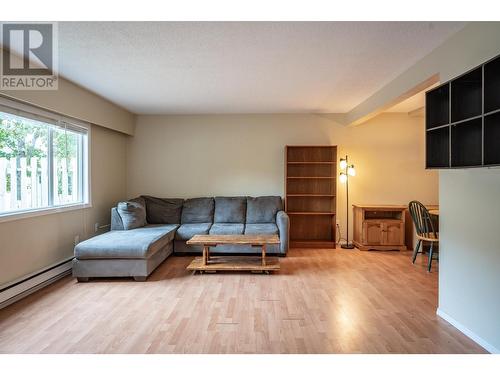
[
  {"x": 96, "y": 227},
  {"x": 77, "y": 239}
]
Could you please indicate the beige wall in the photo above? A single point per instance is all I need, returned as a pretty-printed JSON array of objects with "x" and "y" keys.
[
  {"x": 28, "y": 245},
  {"x": 189, "y": 156}
]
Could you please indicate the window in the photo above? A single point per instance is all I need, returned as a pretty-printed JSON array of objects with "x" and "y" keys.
[{"x": 43, "y": 161}]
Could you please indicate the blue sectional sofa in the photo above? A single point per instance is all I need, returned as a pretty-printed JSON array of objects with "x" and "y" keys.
[{"x": 135, "y": 248}]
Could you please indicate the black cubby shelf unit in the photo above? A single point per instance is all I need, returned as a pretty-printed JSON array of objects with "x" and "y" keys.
[{"x": 463, "y": 120}]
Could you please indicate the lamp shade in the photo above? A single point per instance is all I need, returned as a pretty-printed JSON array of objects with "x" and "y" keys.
[
  {"x": 351, "y": 171},
  {"x": 343, "y": 164},
  {"x": 343, "y": 178}
]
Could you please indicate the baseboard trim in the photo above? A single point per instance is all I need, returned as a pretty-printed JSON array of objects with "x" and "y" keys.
[
  {"x": 30, "y": 284},
  {"x": 467, "y": 332}
]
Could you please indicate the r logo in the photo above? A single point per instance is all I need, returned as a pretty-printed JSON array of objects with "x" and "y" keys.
[{"x": 34, "y": 42}]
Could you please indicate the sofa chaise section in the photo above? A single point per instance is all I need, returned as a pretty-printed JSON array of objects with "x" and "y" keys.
[{"x": 119, "y": 253}]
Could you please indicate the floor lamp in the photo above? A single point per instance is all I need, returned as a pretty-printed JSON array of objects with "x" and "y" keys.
[{"x": 346, "y": 171}]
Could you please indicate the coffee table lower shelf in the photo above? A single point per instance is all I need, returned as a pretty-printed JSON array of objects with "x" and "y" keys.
[{"x": 235, "y": 263}]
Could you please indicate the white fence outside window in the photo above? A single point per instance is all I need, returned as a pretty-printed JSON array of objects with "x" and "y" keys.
[{"x": 26, "y": 187}]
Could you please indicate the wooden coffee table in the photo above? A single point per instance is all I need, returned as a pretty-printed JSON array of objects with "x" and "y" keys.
[{"x": 234, "y": 263}]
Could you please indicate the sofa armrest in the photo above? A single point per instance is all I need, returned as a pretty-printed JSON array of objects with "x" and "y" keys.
[
  {"x": 116, "y": 220},
  {"x": 283, "y": 223}
]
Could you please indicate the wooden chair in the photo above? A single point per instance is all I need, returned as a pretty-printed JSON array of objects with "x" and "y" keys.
[{"x": 425, "y": 229}]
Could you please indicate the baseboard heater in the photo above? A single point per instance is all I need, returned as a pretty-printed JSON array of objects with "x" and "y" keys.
[{"x": 23, "y": 287}]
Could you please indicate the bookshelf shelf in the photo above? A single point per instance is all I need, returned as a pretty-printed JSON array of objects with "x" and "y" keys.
[
  {"x": 311, "y": 162},
  {"x": 310, "y": 177},
  {"x": 310, "y": 195},
  {"x": 309, "y": 213}
]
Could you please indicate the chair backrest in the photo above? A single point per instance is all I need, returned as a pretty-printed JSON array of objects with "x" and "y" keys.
[{"x": 422, "y": 220}]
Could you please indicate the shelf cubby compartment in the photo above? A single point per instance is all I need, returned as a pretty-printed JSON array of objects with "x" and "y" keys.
[
  {"x": 311, "y": 204},
  {"x": 492, "y": 139},
  {"x": 310, "y": 195},
  {"x": 305, "y": 170},
  {"x": 312, "y": 227},
  {"x": 438, "y": 148},
  {"x": 437, "y": 103},
  {"x": 492, "y": 85},
  {"x": 466, "y": 143},
  {"x": 311, "y": 186},
  {"x": 311, "y": 154},
  {"x": 466, "y": 95}
]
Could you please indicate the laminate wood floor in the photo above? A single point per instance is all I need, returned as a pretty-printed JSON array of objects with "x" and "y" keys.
[{"x": 322, "y": 301}]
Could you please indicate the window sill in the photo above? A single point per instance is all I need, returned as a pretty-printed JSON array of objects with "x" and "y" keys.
[{"x": 42, "y": 212}]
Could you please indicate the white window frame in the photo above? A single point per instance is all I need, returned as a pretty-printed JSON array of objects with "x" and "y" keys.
[{"x": 22, "y": 110}]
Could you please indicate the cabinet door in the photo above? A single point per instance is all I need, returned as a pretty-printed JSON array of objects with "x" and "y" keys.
[
  {"x": 372, "y": 233},
  {"x": 393, "y": 233}
]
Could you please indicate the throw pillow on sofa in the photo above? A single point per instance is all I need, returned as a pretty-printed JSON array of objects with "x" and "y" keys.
[{"x": 133, "y": 214}]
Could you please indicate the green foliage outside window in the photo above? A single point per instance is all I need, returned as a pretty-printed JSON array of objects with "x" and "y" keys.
[{"x": 28, "y": 139}]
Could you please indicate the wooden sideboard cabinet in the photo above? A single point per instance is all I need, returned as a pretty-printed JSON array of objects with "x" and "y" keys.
[{"x": 379, "y": 227}]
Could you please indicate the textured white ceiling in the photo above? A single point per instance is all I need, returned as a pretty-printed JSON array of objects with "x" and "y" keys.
[{"x": 242, "y": 67}]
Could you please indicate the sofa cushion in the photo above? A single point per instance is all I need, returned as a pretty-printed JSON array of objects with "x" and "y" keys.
[
  {"x": 224, "y": 228},
  {"x": 187, "y": 231},
  {"x": 266, "y": 228},
  {"x": 163, "y": 210},
  {"x": 230, "y": 210},
  {"x": 136, "y": 243},
  {"x": 198, "y": 210},
  {"x": 133, "y": 214},
  {"x": 263, "y": 209}
]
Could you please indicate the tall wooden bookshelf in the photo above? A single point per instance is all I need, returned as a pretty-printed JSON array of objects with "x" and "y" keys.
[{"x": 310, "y": 194}]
